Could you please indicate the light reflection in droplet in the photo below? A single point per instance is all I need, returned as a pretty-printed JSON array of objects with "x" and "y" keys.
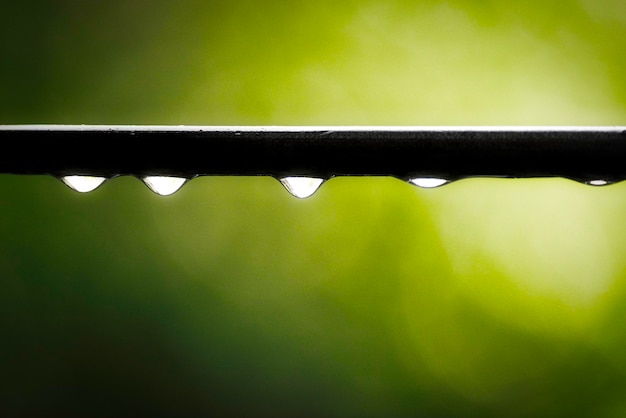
[
  {"x": 428, "y": 182},
  {"x": 598, "y": 182},
  {"x": 301, "y": 187},
  {"x": 83, "y": 184},
  {"x": 164, "y": 186}
]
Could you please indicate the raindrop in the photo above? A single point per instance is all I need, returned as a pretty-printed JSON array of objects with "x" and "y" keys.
[
  {"x": 598, "y": 182},
  {"x": 164, "y": 186},
  {"x": 429, "y": 182},
  {"x": 301, "y": 187},
  {"x": 83, "y": 184}
]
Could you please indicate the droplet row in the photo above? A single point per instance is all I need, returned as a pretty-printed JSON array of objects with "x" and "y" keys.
[
  {"x": 298, "y": 186},
  {"x": 161, "y": 185}
]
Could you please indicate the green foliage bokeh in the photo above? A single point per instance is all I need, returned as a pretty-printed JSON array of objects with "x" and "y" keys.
[{"x": 487, "y": 297}]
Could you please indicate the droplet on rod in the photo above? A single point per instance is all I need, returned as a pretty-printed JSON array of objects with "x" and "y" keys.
[
  {"x": 301, "y": 187},
  {"x": 164, "y": 186},
  {"x": 429, "y": 182},
  {"x": 598, "y": 182},
  {"x": 83, "y": 184}
]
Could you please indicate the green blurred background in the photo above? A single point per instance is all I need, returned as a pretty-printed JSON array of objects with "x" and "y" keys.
[{"x": 373, "y": 298}]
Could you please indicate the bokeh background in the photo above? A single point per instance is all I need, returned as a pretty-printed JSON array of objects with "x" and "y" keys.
[{"x": 487, "y": 297}]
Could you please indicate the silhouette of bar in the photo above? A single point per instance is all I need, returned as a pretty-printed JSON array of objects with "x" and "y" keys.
[{"x": 579, "y": 153}]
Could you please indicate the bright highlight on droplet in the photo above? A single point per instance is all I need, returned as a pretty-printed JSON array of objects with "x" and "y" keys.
[
  {"x": 164, "y": 186},
  {"x": 301, "y": 187},
  {"x": 83, "y": 184},
  {"x": 598, "y": 182},
  {"x": 428, "y": 182}
]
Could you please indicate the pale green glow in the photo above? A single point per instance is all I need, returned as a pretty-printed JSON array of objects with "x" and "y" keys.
[
  {"x": 545, "y": 238},
  {"x": 83, "y": 184},
  {"x": 431, "y": 63},
  {"x": 164, "y": 186}
]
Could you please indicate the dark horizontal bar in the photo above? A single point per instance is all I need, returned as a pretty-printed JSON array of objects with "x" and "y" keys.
[{"x": 580, "y": 153}]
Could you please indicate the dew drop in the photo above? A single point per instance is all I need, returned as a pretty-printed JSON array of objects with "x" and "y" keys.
[
  {"x": 301, "y": 187},
  {"x": 598, "y": 182},
  {"x": 429, "y": 182},
  {"x": 164, "y": 186},
  {"x": 83, "y": 184}
]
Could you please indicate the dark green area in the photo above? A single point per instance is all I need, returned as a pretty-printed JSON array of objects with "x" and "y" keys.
[{"x": 372, "y": 298}]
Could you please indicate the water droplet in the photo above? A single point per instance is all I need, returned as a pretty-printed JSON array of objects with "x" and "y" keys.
[
  {"x": 598, "y": 182},
  {"x": 83, "y": 184},
  {"x": 164, "y": 186},
  {"x": 429, "y": 182},
  {"x": 301, "y": 187}
]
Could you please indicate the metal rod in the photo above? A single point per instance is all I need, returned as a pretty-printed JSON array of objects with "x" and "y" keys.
[{"x": 580, "y": 153}]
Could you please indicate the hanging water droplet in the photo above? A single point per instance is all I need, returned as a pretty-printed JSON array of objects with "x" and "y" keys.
[
  {"x": 164, "y": 186},
  {"x": 429, "y": 182},
  {"x": 83, "y": 184},
  {"x": 301, "y": 187},
  {"x": 598, "y": 182}
]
